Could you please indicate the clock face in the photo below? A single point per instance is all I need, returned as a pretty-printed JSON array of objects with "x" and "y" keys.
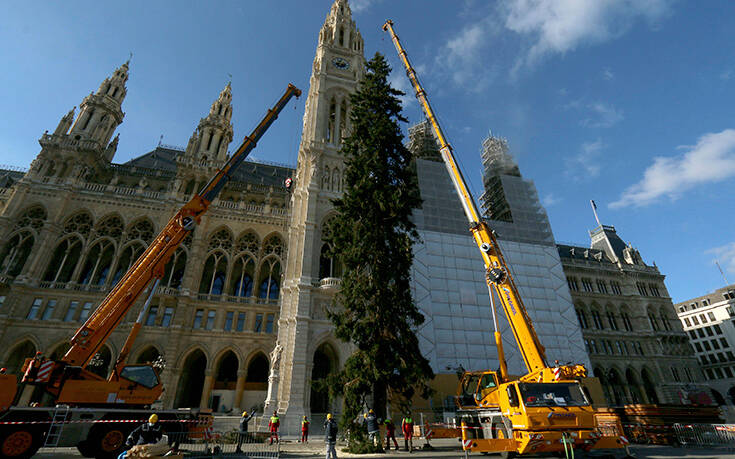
[{"x": 340, "y": 63}]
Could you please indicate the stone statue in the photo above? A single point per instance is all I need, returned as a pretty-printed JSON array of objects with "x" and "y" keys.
[{"x": 276, "y": 358}]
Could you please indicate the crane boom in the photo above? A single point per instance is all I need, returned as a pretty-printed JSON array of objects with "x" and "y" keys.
[
  {"x": 498, "y": 276},
  {"x": 151, "y": 264}
]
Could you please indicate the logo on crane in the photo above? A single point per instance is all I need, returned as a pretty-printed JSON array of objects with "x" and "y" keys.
[{"x": 510, "y": 301}]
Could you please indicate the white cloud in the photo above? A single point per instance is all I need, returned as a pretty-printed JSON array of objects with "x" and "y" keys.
[
  {"x": 359, "y": 6},
  {"x": 462, "y": 56},
  {"x": 711, "y": 160},
  {"x": 549, "y": 200},
  {"x": 587, "y": 161},
  {"x": 725, "y": 255},
  {"x": 604, "y": 116},
  {"x": 400, "y": 81},
  {"x": 558, "y": 26},
  {"x": 608, "y": 75}
]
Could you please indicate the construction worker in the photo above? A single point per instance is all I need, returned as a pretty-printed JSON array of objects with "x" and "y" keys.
[
  {"x": 407, "y": 428},
  {"x": 330, "y": 436},
  {"x": 304, "y": 430},
  {"x": 244, "y": 435},
  {"x": 273, "y": 425},
  {"x": 149, "y": 433},
  {"x": 390, "y": 432},
  {"x": 373, "y": 428}
]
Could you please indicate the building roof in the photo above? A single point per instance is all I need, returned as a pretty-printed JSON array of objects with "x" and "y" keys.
[
  {"x": 725, "y": 293},
  {"x": 576, "y": 252},
  {"x": 163, "y": 158}
]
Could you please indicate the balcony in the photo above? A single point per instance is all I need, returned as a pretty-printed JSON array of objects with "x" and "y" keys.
[{"x": 330, "y": 283}]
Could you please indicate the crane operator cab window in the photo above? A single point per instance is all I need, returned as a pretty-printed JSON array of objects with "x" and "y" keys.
[
  {"x": 487, "y": 385},
  {"x": 552, "y": 394},
  {"x": 469, "y": 389},
  {"x": 144, "y": 375}
]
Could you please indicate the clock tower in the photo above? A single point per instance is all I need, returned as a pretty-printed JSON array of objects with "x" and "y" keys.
[{"x": 306, "y": 348}]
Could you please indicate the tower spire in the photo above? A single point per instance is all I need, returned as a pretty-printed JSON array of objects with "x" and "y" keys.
[
  {"x": 214, "y": 133},
  {"x": 101, "y": 113}
]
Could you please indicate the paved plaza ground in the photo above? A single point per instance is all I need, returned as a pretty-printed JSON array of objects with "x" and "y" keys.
[{"x": 444, "y": 448}]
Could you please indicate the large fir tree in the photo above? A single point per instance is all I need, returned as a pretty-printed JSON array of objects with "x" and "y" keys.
[{"x": 372, "y": 236}]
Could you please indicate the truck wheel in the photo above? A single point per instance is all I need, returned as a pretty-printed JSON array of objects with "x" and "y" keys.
[
  {"x": 499, "y": 430},
  {"x": 20, "y": 443},
  {"x": 107, "y": 442}
]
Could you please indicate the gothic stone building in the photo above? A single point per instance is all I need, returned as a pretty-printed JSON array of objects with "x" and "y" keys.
[
  {"x": 636, "y": 345},
  {"x": 75, "y": 221}
]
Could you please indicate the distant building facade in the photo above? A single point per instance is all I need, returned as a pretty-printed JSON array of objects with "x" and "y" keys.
[
  {"x": 709, "y": 320},
  {"x": 636, "y": 346}
]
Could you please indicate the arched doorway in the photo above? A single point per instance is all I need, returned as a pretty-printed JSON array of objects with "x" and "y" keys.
[
  {"x": 223, "y": 395},
  {"x": 719, "y": 399},
  {"x": 601, "y": 375},
  {"x": 325, "y": 363},
  {"x": 731, "y": 394},
  {"x": 18, "y": 355},
  {"x": 149, "y": 355},
  {"x": 649, "y": 387},
  {"x": 191, "y": 380},
  {"x": 616, "y": 387},
  {"x": 257, "y": 370},
  {"x": 633, "y": 386}
]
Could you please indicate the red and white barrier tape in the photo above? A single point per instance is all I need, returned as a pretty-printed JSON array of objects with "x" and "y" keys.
[{"x": 100, "y": 421}]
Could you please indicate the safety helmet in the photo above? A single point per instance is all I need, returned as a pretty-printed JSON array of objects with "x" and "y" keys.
[
  {"x": 371, "y": 412},
  {"x": 3, "y": 370},
  {"x": 153, "y": 419},
  {"x": 304, "y": 418},
  {"x": 39, "y": 353},
  {"x": 244, "y": 413},
  {"x": 329, "y": 416},
  {"x": 364, "y": 415}
]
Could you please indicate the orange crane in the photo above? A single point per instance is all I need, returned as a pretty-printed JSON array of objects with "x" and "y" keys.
[
  {"x": 546, "y": 409},
  {"x": 132, "y": 386}
]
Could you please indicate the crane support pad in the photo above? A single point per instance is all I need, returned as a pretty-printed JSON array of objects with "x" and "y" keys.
[{"x": 489, "y": 445}]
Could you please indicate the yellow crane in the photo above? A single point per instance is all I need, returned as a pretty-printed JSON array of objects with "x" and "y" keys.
[{"x": 546, "y": 409}]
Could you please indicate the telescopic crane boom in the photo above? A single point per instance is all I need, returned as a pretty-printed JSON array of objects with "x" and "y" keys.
[
  {"x": 497, "y": 273},
  {"x": 503, "y": 414}
]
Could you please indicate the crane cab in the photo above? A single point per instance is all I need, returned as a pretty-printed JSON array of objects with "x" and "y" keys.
[{"x": 477, "y": 389}]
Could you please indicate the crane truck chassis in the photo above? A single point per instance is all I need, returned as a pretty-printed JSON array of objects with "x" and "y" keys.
[
  {"x": 93, "y": 413},
  {"x": 543, "y": 411}
]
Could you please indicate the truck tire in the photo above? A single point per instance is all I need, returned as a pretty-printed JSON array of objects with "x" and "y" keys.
[
  {"x": 20, "y": 442},
  {"x": 106, "y": 441},
  {"x": 501, "y": 431}
]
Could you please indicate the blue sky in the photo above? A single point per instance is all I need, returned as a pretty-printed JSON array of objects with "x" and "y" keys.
[{"x": 629, "y": 103}]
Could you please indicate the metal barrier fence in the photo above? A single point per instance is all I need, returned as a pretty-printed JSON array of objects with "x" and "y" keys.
[
  {"x": 705, "y": 434},
  {"x": 232, "y": 444}
]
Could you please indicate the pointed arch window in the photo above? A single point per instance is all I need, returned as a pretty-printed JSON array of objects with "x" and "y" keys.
[
  {"x": 128, "y": 256},
  {"x": 64, "y": 260},
  {"x": 329, "y": 266},
  {"x": 32, "y": 218},
  {"x": 214, "y": 274},
  {"x": 142, "y": 230},
  {"x": 111, "y": 227},
  {"x": 248, "y": 243},
  {"x": 341, "y": 36},
  {"x": 89, "y": 118},
  {"x": 332, "y": 119},
  {"x": 80, "y": 223},
  {"x": 98, "y": 263},
  {"x": 242, "y": 277},
  {"x": 15, "y": 253},
  {"x": 270, "y": 275},
  {"x": 342, "y": 121},
  {"x": 175, "y": 269}
]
